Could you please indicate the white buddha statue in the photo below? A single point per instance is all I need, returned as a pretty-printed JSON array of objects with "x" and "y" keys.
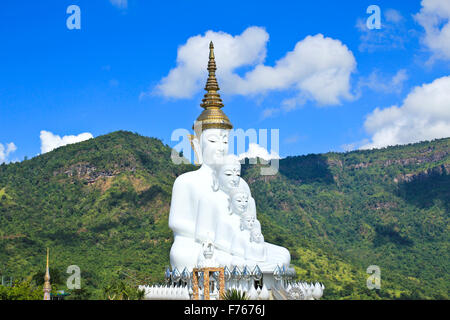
[
  {"x": 241, "y": 238},
  {"x": 229, "y": 220},
  {"x": 207, "y": 258},
  {"x": 255, "y": 249},
  {"x": 191, "y": 193},
  {"x": 200, "y": 202}
]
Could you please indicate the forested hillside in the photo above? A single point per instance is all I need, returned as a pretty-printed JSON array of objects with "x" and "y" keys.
[{"x": 103, "y": 205}]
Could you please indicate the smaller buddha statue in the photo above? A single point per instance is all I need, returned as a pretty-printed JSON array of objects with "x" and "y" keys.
[
  {"x": 214, "y": 209},
  {"x": 255, "y": 249},
  {"x": 229, "y": 223},
  {"x": 238, "y": 202},
  {"x": 247, "y": 222},
  {"x": 241, "y": 238},
  {"x": 206, "y": 259},
  {"x": 227, "y": 174}
]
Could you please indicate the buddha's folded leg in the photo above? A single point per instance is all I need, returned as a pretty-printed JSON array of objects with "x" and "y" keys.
[
  {"x": 278, "y": 255},
  {"x": 184, "y": 253}
]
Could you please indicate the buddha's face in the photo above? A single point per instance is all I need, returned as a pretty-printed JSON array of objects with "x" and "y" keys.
[
  {"x": 248, "y": 222},
  {"x": 214, "y": 145},
  {"x": 239, "y": 203},
  {"x": 208, "y": 251},
  {"x": 229, "y": 176}
]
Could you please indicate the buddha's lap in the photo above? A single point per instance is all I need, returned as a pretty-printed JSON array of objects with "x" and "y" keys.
[
  {"x": 184, "y": 252},
  {"x": 278, "y": 253}
]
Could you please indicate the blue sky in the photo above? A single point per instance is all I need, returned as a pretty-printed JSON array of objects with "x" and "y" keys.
[{"x": 105, "y": 76}]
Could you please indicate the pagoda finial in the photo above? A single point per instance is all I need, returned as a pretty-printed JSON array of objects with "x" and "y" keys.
[
  {"x": 211, "y": 50},
  {"x": 47, "y": 286},
  {"x": 212, "y": 97},
  {"x": 213, "y": 116}
]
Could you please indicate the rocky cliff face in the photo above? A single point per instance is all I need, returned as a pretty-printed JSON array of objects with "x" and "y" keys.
[
  {"x": 440, "y": 170},
  {"x": 429, "y": 156},
  {"x": 90, "y": 172}
]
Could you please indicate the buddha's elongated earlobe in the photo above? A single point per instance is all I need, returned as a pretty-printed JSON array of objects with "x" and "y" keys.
[
  {"x": 195, "y": 145},
  {"x": 230, "y": 211},
  {"x": 215, "y": 182}
]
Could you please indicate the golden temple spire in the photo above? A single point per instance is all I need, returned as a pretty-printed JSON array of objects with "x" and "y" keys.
[
  {"x": 47, "y": 286},
  {"x": 213, "y": 116},
  {"x": 212, "y": 97}
]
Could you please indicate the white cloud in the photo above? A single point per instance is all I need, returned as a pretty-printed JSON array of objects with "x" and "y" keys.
[
  {"x": 5, "y": 151},
  {"x": 434, "y": 17},
  {"x": 318, "y": 68},
  {"x": 380, "y": 83},
  {"x": 121, "y": 4},
  {"x": 347, "y": 147},
  {"x": 424, "y": 115},
  {"x": 256, "y": 151},
  {"x": 400, "y": 77},
  {"x": 189, "y": 76},
  {"x": 269, "y": 112},
  {"x": 392, "y": 15},
  {"x": 50, "y": 141}
]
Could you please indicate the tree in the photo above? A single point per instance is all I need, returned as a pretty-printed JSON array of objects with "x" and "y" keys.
[{"x": 21, "y": 290}]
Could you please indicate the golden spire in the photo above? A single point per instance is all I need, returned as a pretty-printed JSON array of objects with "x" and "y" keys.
[
  {"x": 212, "y": 116},
  {"x": 47, "y": 286}
]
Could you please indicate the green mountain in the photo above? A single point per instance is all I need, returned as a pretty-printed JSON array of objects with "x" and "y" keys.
[{"x": 103, "y": 205}]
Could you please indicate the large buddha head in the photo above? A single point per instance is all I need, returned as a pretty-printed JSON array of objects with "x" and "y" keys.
[
  {"x": 212, "y": 127},
  {"x": 214, "y": 146}
]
